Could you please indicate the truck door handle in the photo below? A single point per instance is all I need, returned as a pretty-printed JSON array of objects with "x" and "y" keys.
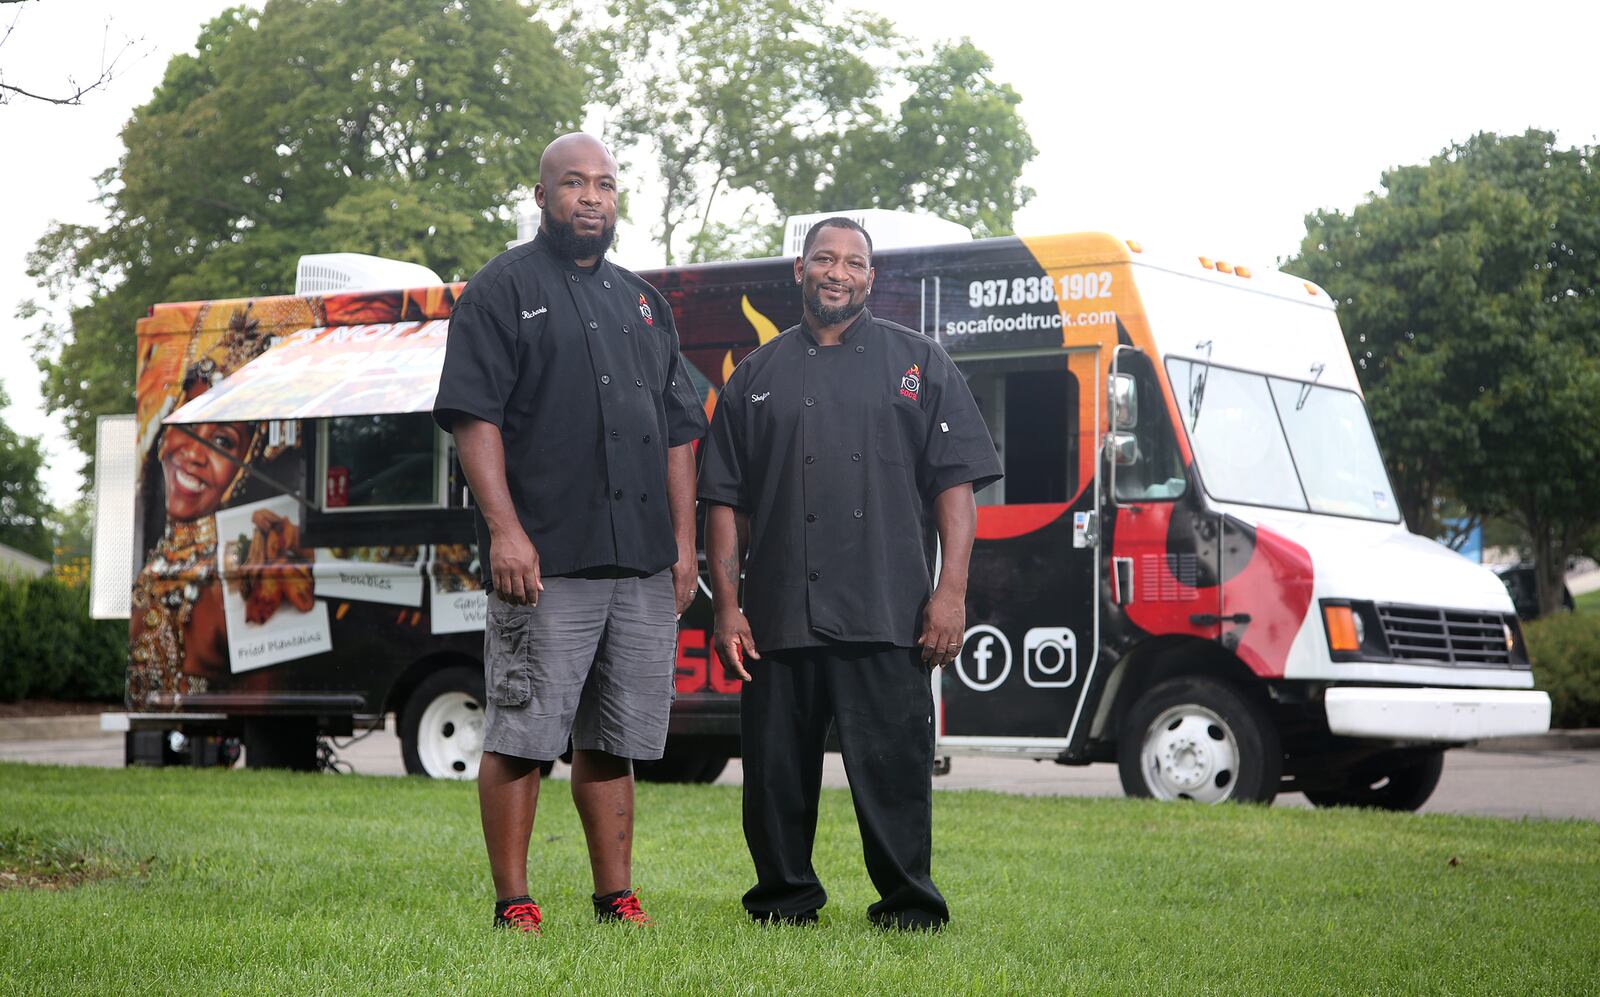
[{"x": 1211, "y": 619}]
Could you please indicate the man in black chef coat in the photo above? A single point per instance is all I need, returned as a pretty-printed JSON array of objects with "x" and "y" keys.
[
  {"x": 574, "y": 420},
  {"x": 835, "y": 443}
]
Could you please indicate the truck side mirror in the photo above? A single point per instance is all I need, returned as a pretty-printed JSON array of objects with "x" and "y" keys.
[
  {"x": 1124, "y": 402},
  {"x": 1124, "y": 449}
]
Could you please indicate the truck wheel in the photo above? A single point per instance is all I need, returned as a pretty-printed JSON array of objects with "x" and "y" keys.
[
  {"x": 1394, "y": 780},
  {"x": 1199, "y": 739},
  {"x": 683, "y": 763},
  {"x": 441, "y": 726}
]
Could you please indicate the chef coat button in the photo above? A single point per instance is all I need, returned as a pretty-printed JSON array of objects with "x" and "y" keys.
[
  {"x": 859, "y": 513},
  {"x": 615, "y": 435},
  {"x": 607, "y": 283},
  {"x": 643, "y": 497},
  {"x": 605, "y": 378},
  {"x": 810, "y": 402},
  {"x": 813, "y": 576},
  {"x": 855, "y": 456},
  {"x": 593, "y": 324},
  {"x": 572, "y": 277},
  {"x": 861, "y": 349},
  {"x": 617, "y": 493},
  {"x": 811, "y": 517},
  {"x": 638, "y": 383},
  {"x": 811, "y": 352},
  {"x": 647, "y": 437},
  {"x": 626, "y": 330},
  {"x": 811, "y": 460}
]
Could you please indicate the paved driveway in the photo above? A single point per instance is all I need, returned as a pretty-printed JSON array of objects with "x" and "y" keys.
[{"x": 1495, "y": 783}]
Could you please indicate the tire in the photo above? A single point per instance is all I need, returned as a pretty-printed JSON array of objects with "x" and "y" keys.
[
  {"x": 1199, "y": 739},
  {"x": 683, "y": 763},
  {"x": 1394, "y": 780},
  {"x": 441, "y": 725}
]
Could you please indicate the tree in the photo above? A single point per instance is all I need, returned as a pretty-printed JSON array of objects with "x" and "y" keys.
[
  {"x": 956, "y": 149},
  {"x": 24, "y": 509},
  {"x": 113, "y": 58},
  {"x": 1467, "y": 292},
  {"x": 784, "y": 99},
  {"x": 406, "y": 128}
]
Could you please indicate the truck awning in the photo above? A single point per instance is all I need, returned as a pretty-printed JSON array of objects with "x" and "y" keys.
[{"x": 318, "y": 373}]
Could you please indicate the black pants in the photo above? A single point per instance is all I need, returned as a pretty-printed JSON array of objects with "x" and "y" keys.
[{"x": 880, "y": 699}]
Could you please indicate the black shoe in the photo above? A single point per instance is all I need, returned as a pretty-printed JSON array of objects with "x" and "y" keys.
[
  {"x": 517, "y": 914},
  {"x": 799, "y": 919},
  {"x": 912, "y": 919},
  {"x": 622, "y": 906}
]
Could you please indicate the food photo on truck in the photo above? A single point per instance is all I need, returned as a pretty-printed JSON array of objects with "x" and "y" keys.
[{"x": 1194, "y": 568}]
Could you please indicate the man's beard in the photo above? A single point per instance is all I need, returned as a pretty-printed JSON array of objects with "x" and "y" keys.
[
  {"x": 826, "y": 316},
  {"x": 572, "y": 246}
]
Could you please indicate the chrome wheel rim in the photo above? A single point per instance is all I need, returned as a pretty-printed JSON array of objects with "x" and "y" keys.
[
  {"x": 450, "y": 736},
  {"x": 1189, "y": 753}
]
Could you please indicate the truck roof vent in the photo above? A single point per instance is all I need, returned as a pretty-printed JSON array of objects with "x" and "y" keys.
[
  {"x": 889, "y": 229},
  {"x": 325, "y": 273}
]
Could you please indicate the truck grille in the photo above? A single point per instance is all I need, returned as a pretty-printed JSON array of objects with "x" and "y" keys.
[{"x": 1451, "y": 636}]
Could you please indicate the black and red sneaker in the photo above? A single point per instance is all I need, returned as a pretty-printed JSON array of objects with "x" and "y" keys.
[
  {"x": 620, "y": 906},
  {"x": 517, "y": 914}
]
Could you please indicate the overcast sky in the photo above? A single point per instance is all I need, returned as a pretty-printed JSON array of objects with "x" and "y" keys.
[{"x": 1208, "y": 127}]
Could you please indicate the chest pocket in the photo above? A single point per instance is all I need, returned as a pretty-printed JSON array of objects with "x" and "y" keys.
[
  {"x": 652, "y": 345},
  {"x": 902, "y": 427}
]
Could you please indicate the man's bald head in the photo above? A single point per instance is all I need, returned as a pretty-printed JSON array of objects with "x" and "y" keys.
[
  {"x": 564, "y": 150},
  {"x": 577, "y": 193}
]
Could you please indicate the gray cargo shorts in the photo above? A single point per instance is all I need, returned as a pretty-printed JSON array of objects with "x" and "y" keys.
[{"x": 595, "y": 660}]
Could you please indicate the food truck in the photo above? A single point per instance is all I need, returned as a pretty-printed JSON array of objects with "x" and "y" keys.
[{"x": 1195, "y": 566}]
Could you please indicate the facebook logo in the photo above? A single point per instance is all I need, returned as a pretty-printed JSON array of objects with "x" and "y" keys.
[{"x": 985, "y": 658}]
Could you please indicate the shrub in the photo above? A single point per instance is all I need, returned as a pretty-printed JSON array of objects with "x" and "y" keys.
[
  {"x": 1565, "y": 649},
  {"x": 51, "y": 649}
]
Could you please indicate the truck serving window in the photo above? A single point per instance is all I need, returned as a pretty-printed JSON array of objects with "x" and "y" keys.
[
  {"x": 374, "y": 462},
  {"x": 1031, "y": 407}
]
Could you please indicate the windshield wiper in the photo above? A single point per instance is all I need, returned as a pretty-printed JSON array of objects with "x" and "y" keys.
[
  {"x": 1305, "y": 389},
  {"x": 1197, "y": 385}
]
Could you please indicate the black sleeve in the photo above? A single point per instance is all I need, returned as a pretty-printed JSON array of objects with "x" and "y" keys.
[
  {"x": 958, "y": 448},
  {"x": 722, "y": 456},
  {"x": 481, "y": 361},
  {"x": 686, "y": 414}
]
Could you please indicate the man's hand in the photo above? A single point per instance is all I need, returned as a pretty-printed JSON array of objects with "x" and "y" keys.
[
  {"x": 685, "y": 575},
  {"x": 944, "y": 621},
  {"x": 731, "y": 636},
  {"x": 514, "y": 565}
]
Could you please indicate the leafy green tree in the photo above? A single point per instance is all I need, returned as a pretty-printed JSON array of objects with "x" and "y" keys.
[
  {"x": 24, "y": 508},
  {"x": 74, "y": 530},
  {"x": 1467, "y": 292},
  {"x": 704, "y": 88},
  {"x": 956, "y": 149},
  {"x": 406, "y": 128},
  {"x": 785, "y": 99}
]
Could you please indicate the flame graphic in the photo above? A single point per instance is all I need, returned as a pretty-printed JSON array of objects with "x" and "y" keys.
[{"x": 766, "y": 332}]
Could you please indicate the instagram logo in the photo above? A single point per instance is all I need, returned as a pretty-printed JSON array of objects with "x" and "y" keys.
[{"x": 1049, "y": 657}]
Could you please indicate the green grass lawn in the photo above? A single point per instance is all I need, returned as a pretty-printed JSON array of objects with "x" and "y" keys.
[
  {"x": 1589, "y": 602},
  {"x": 242, "y": 881}
]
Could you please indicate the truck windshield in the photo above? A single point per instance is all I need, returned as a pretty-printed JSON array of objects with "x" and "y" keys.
[{"x": 1288, "y": 444}]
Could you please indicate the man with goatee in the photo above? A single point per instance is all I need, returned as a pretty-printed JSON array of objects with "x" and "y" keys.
[
  {"x": 573, "y": 417},
  {"x": 837, "y": 443}
]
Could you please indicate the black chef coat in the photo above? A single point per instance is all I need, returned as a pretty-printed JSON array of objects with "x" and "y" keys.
[
  {"x": 836, "y": 453},
  {"x": 580, "y": 370}
]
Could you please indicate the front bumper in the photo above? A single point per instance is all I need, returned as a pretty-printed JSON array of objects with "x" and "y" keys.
[{"x": 1436, "y": 714}]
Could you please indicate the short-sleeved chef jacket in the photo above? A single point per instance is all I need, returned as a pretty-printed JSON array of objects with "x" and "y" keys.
[
  {"x": 836, "y": 453},
  {"x": 580, "y": 369}
]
